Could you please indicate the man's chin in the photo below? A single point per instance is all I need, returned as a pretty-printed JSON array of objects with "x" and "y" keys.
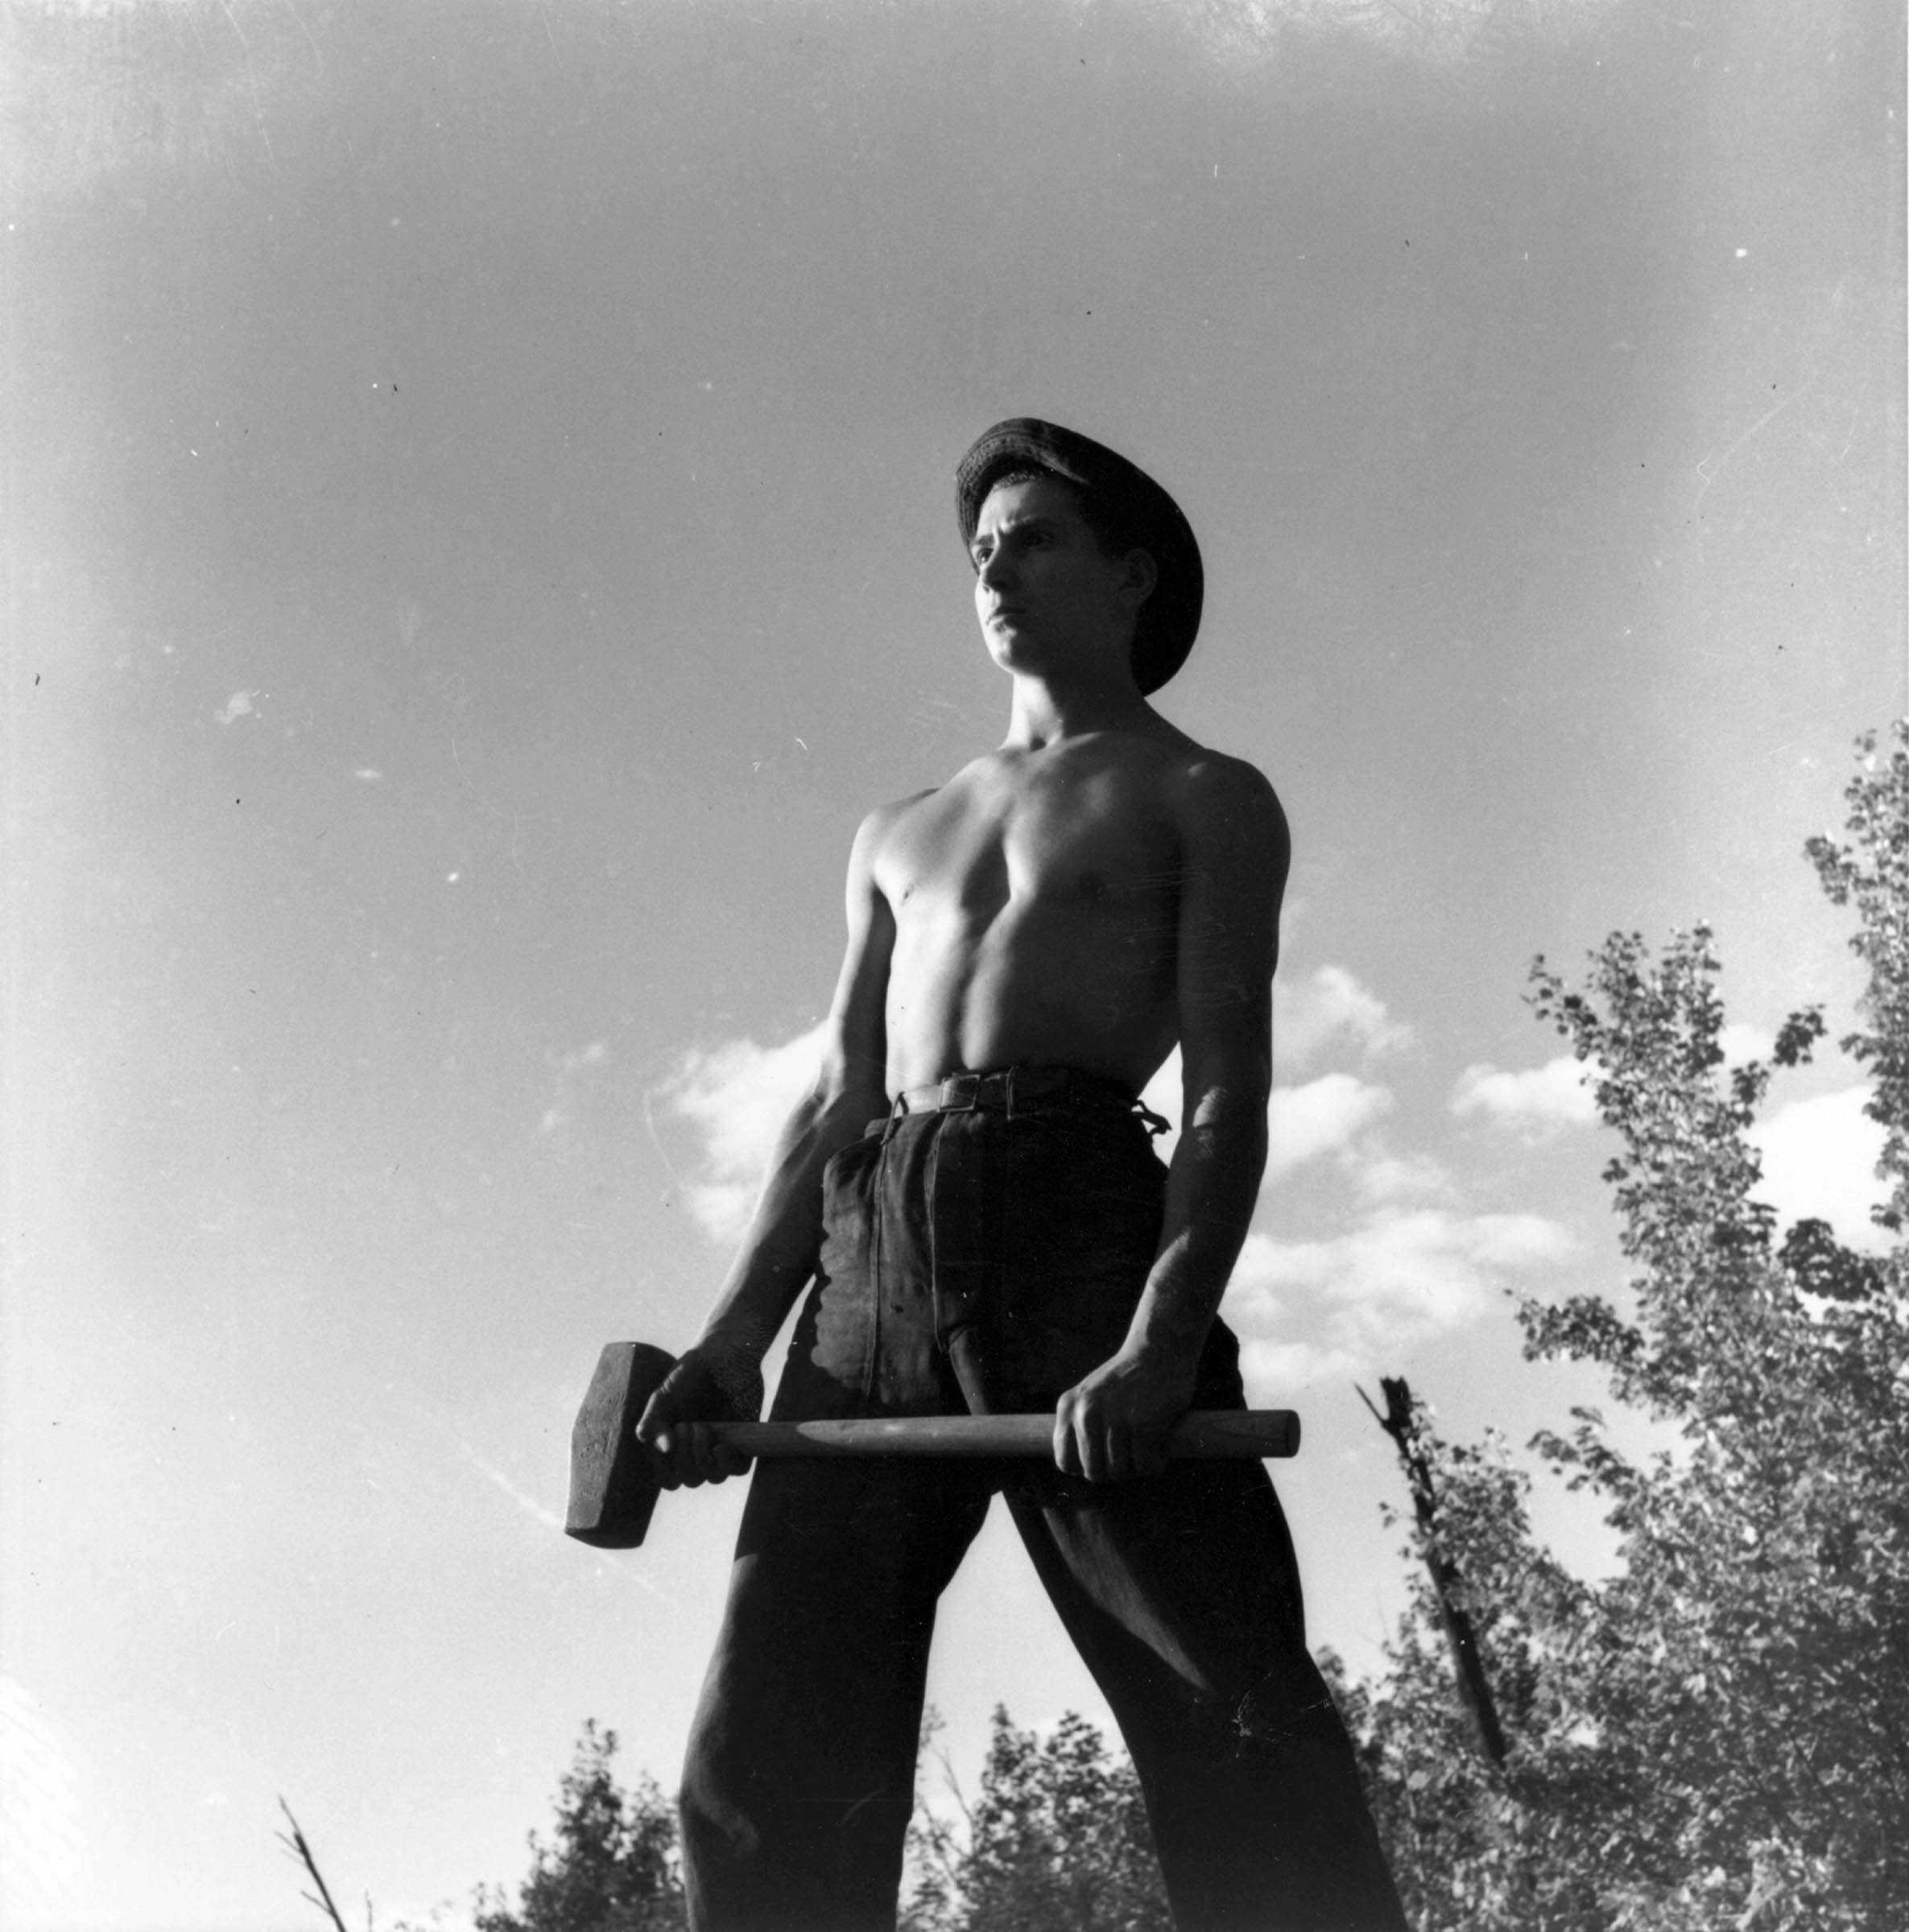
[{"x": 1017, "y": 650}]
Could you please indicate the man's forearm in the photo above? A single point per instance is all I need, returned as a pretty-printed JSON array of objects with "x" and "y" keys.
[
  {"x": 719, "y": 1378},
  {"x": 1212, "y": 1186},
  {"x": 778, "y": 1253},
  {"x": 1113, "y": 1423}
]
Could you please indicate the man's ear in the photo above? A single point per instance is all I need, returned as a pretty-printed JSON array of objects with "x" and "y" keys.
[{"x": 1142, "y": 574}]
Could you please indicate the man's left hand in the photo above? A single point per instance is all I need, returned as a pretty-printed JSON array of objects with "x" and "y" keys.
[{"x": 1112, "y": 1424}]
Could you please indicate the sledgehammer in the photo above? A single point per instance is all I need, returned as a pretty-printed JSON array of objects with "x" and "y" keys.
[{"x": 614, "y": 1486}]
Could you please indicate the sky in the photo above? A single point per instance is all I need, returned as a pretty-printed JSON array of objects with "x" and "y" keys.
[{"x": 479, "y": 536}]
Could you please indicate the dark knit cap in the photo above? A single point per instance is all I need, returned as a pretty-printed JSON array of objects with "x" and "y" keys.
[{"x": 1130, "y": 500}]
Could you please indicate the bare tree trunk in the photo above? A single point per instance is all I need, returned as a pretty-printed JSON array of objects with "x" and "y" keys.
[{"x": 1473, "y": 1689}]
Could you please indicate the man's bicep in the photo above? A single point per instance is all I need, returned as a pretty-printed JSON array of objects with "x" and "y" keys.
[
  {"x": 855, "y": 1048},
  {"x": 1237, "y": 854}
]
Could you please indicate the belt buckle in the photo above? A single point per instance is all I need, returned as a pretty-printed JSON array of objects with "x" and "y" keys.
[{"x": 960, "y": 1093}]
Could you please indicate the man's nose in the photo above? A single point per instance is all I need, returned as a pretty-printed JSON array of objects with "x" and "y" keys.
[{"x": 996, "y": 567}]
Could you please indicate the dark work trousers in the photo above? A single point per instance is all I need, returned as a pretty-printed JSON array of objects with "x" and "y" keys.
[{"x": 985, "y": 1260}]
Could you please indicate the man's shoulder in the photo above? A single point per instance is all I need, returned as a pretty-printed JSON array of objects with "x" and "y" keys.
[
  {"x": 885, "y": 815},
  {"x": 1231, "y": 825},
  {"x": 977, "y": 772},
  {"x": 1208, "y": 783},
  {"x": 879, "y": 826}
]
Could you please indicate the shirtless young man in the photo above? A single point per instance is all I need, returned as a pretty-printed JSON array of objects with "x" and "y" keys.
[{"x": 971, "y": 1188}]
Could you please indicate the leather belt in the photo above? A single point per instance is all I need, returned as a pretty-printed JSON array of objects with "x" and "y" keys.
[
  {"x": 1006, "y": 1089},
  {"x": 963, "y": 1092}
]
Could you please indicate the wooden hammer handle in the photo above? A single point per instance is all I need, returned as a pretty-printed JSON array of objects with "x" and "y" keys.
[
  {"x": 614, "y": 1482},
  {"x": 1244, "y": 1434}
]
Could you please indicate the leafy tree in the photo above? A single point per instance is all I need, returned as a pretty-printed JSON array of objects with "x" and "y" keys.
[
  {"x": 1718, "y": 1735},
  {"x": 1057, "y": 1842},
  {"x": 1872, "y": 871},
  {"x": 1473, "y": 1842},
  {"x": 612, "y": 1864}
]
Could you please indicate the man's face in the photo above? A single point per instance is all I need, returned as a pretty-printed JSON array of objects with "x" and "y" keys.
[{"x": 1049, "y": 598}]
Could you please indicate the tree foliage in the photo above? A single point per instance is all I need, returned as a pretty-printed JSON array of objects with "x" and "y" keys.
[
  {"x": 1718, "y": 1733},
  {"x": 612, "y": 1866},
  {"x": 1057, "y": 1842},
  {"x": 1870, "y": 871}
]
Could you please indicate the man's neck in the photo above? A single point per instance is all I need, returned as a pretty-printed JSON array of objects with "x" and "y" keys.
[{"x": 1045, "y": 710}]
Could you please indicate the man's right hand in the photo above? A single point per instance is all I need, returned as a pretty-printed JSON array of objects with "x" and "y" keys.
[{"x": 710, "y": 1384}]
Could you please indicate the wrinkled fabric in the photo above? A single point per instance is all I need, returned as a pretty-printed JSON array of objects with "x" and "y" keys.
[{"x": 984, "y": 1261}]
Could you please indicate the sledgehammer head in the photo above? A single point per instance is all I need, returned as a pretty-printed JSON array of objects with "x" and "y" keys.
[{"x": 613, "y": 1486}]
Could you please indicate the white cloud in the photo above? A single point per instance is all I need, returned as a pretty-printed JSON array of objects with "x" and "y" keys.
[
  {"x": 1384, "y": 1179},
  {"x": 1534, "y": 1102},
  {"x": 1303, "y": 1123},
  {"x": 1327, "y": 1012},
  {"x": 238, "y": 705},
  {"x": 736, "y": 1096},
  {"x": 1359, "y": 1301},
  {"x": 1429, "y": 1264},
  {"x": 1274, "y": 1371},
  {"x": 1255, "y": 1277},
  {"x": 1820, "y": 1159},
  {"x": 1330, "y": 1009},
  {"x": 1323, "y": 1117}
]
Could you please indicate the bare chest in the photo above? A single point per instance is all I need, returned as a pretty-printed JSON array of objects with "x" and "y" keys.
[{"x": 1097, "y": 847}]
